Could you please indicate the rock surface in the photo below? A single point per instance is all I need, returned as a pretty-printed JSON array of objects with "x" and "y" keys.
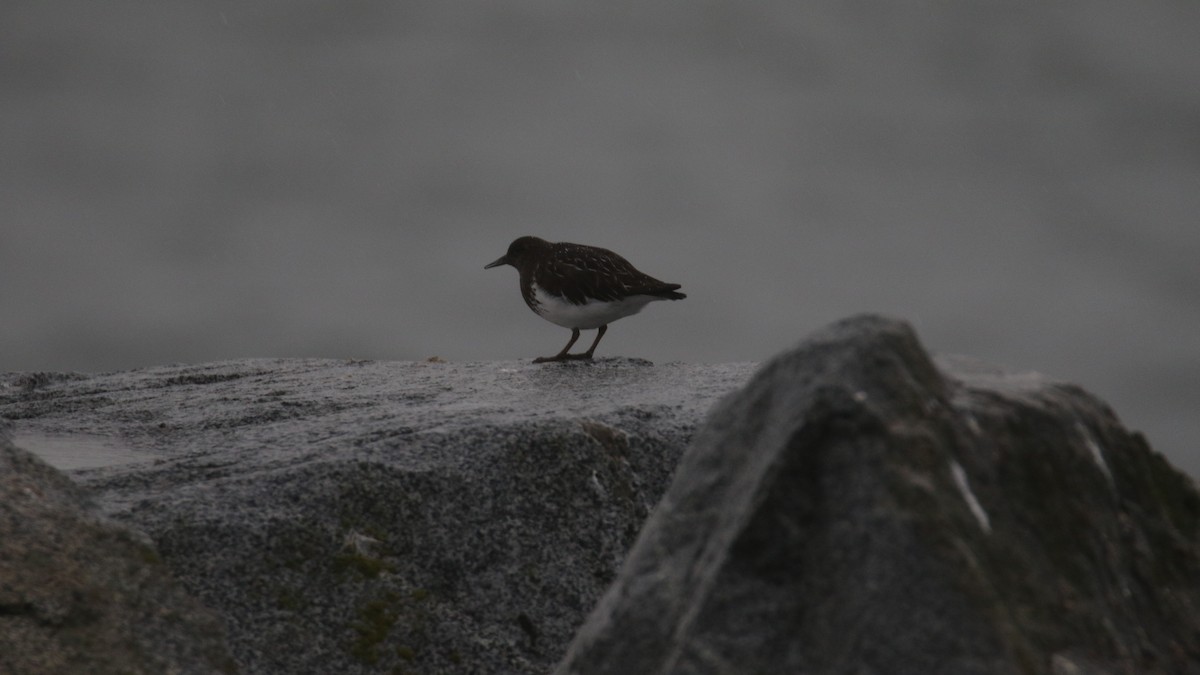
[
  {"x": 81, "y": 594},
  {"x": 858, "y": 509},
  {"x": 356, "y": 517}
]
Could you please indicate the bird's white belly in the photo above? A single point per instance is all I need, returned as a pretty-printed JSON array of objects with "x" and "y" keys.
[{"x": 591, "y": 315}]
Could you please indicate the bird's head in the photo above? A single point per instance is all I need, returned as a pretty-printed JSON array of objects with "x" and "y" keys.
[{"x": 518, "y": 251}]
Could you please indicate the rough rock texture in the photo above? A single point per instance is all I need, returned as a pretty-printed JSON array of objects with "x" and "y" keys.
[
  {"x": 854, "y": 509},
  {"x": 81, "y": 594},
  {"x": 857, "y": 509},
  {"x": 353, "y": 517}
]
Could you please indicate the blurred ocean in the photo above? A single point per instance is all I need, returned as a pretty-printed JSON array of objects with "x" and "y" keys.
[{"x": 188, "y": 181}]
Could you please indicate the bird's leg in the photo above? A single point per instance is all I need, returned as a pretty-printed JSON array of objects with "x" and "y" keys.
[
  {"x": 561, "y": 356},
  {"x": 599, "y": 334}
]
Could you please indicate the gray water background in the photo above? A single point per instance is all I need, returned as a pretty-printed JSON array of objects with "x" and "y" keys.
[{"x": 189, "y": 181}]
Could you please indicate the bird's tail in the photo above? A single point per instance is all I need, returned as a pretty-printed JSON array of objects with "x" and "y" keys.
[{"x": 669, "y": 292}]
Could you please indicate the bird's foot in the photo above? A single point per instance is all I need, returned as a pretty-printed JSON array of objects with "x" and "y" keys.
[{"x": 563, "y": 357}]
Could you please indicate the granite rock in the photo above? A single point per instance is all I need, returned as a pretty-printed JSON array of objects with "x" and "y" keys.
[
  {"x": 82, "y": 594},
  {"x": 860, "y": 508},
  {"x": 360, "y": 517},
  {"x": 854, "y": 507}
]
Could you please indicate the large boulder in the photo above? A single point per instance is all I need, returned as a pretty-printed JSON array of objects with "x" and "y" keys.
[
  {"x": 82, "y": 594},
  {"x": 857, "y": 508},
  {"x": 361, "y": 517}
]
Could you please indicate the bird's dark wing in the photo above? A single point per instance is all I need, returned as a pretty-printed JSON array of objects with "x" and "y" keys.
[{"x": 581, "y": 272}]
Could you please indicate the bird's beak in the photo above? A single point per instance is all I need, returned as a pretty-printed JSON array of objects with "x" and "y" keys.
[{"x": 502, "y": 260}]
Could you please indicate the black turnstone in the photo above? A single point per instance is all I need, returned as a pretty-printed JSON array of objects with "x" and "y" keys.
[{"x": 580, "y": 287}]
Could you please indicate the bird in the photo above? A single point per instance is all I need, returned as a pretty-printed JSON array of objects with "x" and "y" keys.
[{"x": 580, "y": 287}]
